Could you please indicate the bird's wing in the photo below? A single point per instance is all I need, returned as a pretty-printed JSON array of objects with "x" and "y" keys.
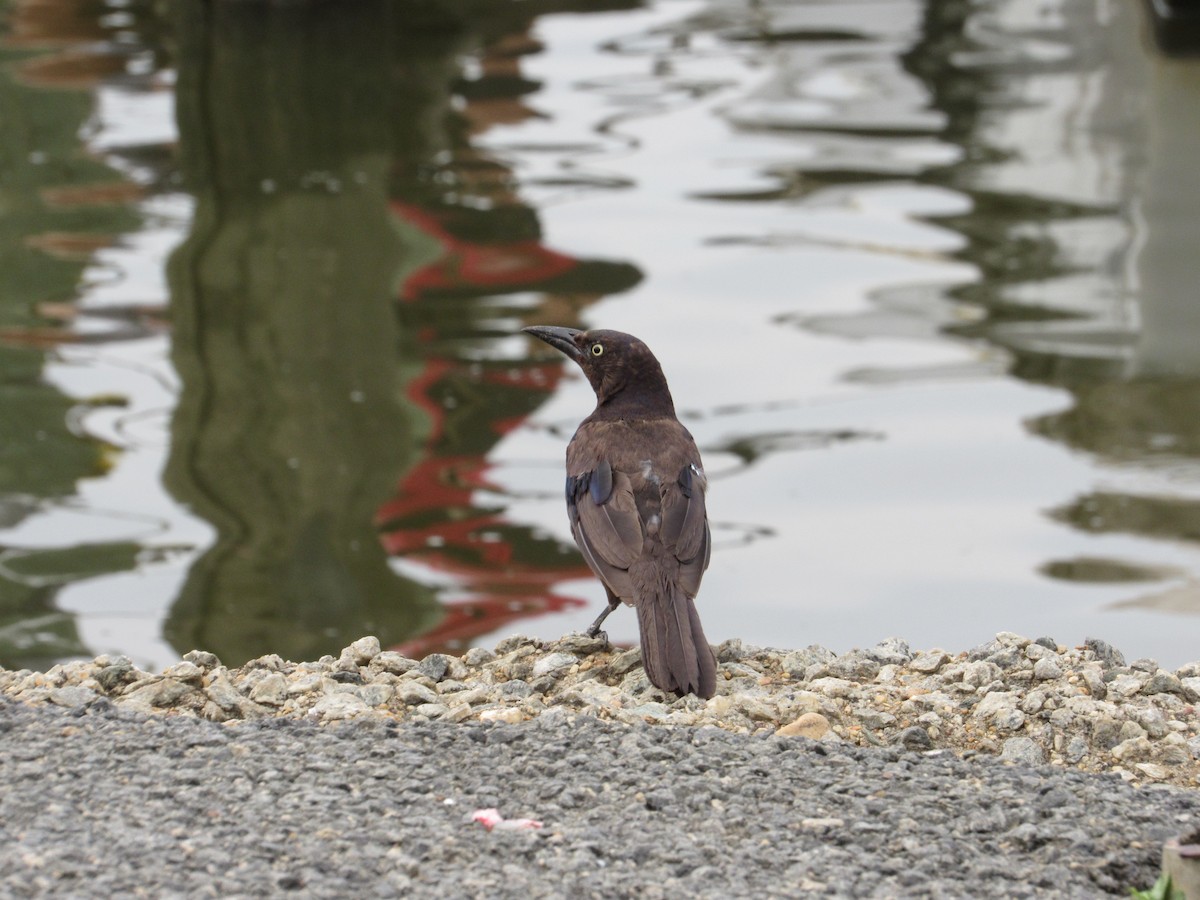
[
  {"x": 685, "y": 525},
  {"x": 606, "y": 525}
]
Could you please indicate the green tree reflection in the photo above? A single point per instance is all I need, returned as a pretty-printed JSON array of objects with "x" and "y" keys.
[{"x": 289, "y": 433}]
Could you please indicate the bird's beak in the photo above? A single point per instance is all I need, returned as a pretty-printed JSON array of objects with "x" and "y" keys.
[{"x": 562, "y": 339}]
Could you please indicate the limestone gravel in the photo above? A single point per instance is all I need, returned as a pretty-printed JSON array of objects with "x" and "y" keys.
[{"x": 1082, "y": 706}]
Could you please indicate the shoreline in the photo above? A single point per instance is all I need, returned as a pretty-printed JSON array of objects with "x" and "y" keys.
[{"x": 1027, "y": 701}]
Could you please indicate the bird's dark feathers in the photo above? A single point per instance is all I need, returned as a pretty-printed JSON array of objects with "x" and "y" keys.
[
  {"x": 636, "y": 503},
  {"x": 685, "y": 480},
  {"x": 597, "y": 484},
  {"x": 684, "y": 519},
  {"x": 577, "y": 486},
  {"x": 628, "y": 381},
  {"x": 601, "y": 484}
]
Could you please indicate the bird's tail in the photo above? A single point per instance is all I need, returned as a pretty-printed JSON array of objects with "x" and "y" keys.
[{"x": 675, "y": 652}]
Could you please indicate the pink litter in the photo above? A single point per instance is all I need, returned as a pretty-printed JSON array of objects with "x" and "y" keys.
[{"x": 491, "y": 818}]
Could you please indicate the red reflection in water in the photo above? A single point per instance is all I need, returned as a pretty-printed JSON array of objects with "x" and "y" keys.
[
  {"x": 436, "y": 518},
  {"x": 478, "y": 268}
]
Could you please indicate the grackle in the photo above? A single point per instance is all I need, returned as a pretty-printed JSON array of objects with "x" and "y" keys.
[{"x": 635, "y": 498}]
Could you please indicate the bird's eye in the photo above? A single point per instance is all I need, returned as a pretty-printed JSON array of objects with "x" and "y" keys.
[{"x": 597, "y": 349}]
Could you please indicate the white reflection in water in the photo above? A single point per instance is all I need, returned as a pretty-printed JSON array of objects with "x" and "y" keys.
[{"x": 828, "y": 309}]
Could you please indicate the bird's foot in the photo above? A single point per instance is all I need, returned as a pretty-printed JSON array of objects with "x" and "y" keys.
[{"x": 597, "y": 634}]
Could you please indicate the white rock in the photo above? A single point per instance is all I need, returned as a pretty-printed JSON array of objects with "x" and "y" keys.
[
  {"x": 1127, "y": 685},
  {"x": 980, "y": 673},
  {"x": 363, "y": 650},
  {"x": 503, "y": 714},
  {"x": 929, "y": 662},
  {"x": 554, "y": 664},
  {"x": 994, "y": 703},
  {"x": 413, "y": 693},
  {"x": 1046, "y": 668},
  {"x": 835, "y": 687},
  {"x": 333, "y": 707},
  {"x": 1191, "y": 689},
  {"x": 1152, "y": 771},
  {"x": 376, "y": 694},
  {"x": 184, "y": 671},
  {"x": 1022, "y": 750},
  {"x": 271, "y": 690}
]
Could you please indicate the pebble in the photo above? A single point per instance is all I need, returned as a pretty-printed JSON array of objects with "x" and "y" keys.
[
  {"x": 73, "y": 695},
  {"x": 435, "y": 666},
  {"x": 333, "y": 707},
  {"x": 554, "y": 664},
  {"x": 509, "y": 715},
  {"x": 1023, "y": 750},
  {"x": 363, "y": 650},
  {"x": 929, "y": 661},
  {"x": 1027, "y": 700},
  {"x": 810, "y": 725},
  {"x": 914, "y": 738}
]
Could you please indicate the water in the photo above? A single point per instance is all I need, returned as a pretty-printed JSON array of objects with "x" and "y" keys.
[{"x": 921, "y": 277}]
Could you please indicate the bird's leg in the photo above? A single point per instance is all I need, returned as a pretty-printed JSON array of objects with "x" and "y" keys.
[{"x": 594, "y": 629}]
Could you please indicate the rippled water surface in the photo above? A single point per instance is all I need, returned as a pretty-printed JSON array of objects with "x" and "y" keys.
[{"x": 922, "y": 277}]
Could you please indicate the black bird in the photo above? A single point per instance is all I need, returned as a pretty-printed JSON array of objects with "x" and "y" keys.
[{"x": 635, "y": 498}]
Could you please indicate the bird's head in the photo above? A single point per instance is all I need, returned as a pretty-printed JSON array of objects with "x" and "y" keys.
[{"x": 620, "y": 368}]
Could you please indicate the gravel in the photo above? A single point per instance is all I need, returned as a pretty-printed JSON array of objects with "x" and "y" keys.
[{"x": 359, "y": 775}]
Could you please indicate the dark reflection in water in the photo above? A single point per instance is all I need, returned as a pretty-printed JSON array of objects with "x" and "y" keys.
[{"x": 324, "y": 321}]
